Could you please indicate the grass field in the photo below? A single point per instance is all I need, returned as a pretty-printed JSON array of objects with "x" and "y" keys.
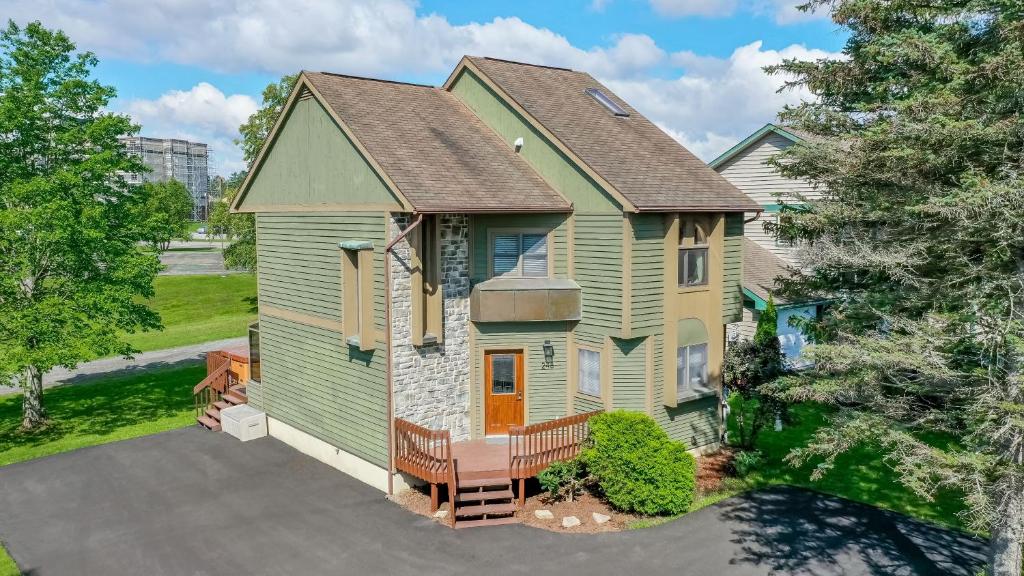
[
  {"x": 105, "y": 411},
  {"x": 199, "y": 309},
  {"x": 7, "y": 566}
]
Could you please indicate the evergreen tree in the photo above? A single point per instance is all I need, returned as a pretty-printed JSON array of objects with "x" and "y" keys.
[{"x": 916, "y": 142}]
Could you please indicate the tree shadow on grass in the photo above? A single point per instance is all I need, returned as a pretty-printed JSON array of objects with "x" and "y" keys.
[
  {"x": 104, "y": 406},
  {"x": 799, "y": 532}
]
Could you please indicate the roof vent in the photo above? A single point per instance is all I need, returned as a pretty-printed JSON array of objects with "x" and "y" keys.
[
  {"x": 606, "y": 102},
  {"x": 518, "y": 144}
]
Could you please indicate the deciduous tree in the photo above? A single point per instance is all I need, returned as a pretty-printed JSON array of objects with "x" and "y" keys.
[{"x": 71, "y": 270}]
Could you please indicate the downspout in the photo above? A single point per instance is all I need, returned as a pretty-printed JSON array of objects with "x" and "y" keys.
[{"x": 387, "y": 373}]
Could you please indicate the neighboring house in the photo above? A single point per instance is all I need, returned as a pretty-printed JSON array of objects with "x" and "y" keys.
[
  {"x": 516, "y": 246},
  {"x": 766, "y": 257}
]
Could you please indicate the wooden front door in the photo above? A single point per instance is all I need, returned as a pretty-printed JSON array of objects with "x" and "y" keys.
[{"x": 503, "y": 391}]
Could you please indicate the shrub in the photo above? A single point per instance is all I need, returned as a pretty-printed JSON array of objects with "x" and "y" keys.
[
  {"x": 747, "y": 461},
  {"x": 636, "y": 465},
  {"x": 563, "y": 480}
]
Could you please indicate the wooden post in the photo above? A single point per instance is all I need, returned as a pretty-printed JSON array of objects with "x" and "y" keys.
[
  {"x": 522, "y": 492},
  {"x": 433, "y": 497}
]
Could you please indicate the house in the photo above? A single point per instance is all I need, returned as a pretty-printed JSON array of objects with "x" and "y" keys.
[
  {"x": 766, "y": 257},
  {"x": 514, "y": 247}
]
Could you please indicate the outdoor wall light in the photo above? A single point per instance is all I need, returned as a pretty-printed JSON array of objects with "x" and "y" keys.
[{"x": 549, "y": 354}]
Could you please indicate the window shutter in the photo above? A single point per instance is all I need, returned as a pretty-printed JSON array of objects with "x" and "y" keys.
[
  {"x": 535, "y": 255},
  {"x": 506, "y": 254}
]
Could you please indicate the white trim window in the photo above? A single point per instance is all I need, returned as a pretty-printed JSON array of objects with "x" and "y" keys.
[
  {"x": 520, "y": 254},
  {"x": 589, "y": 372},
  {"x": 691, "y": 369}
]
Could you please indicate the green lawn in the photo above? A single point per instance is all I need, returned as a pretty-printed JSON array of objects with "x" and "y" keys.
[
  {"x": 105, "y": 411},
  {"x": 858, "y": 475},
  {"x": 7, "y": 566},
  {"x": 199, "y": 309}
]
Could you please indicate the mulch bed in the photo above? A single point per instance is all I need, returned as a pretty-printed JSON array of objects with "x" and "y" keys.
[{"x": 712, "y": 469}]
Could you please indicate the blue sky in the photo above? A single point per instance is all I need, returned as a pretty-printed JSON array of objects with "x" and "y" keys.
[{"x": 195, "y": 69}]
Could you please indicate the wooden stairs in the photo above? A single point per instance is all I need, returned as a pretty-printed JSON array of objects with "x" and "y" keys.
[
  {"x": 484, "y": 499},
  {"x": 210, "y": 418}
]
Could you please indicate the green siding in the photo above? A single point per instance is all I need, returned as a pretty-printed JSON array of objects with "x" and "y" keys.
[
  {"x": 545, "y": 387},
  {"x": 316, "y": 383},
  {"x": 583, "y": 404},
  {"x": 598, "y": 270},
  {"x": 629, "y": 374},
  {"x": 595, "y": 338},
  {"x": 484, "y": 222},
  {"x": 311, "y": 379},
  {"x": 732, "y": 269},
  {"x": 552, "y": 165},
  {"x": 312, "y": 162},
  {"x": 696, "y": 422},
  {"x": 648, "y": 289}
]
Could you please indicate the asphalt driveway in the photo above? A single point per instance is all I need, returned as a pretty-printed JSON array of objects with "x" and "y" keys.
[{"x": 190, "y": 502}]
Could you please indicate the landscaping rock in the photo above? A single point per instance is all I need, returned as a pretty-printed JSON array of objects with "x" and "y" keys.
[
  {"x": 441, "y": 514},
  {"x": 544, "y": 514},
  {"x": 600, "y": 518},
  {"x": 570, "y": 522}
]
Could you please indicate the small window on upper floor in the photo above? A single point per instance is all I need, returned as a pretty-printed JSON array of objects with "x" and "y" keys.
[
  {"x": 519, "y": 254},
  {"x": 607, "y": 102},
  {"x": 693, "y": 253}
]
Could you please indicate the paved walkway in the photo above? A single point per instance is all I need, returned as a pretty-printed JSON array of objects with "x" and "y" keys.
[
  {"x": 196, "y": 257},
  {"x": 118, "y": 366},
  {"x": 200, "y": 503}
]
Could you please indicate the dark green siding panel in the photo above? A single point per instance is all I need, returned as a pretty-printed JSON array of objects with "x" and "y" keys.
[
  {"x": 484, "y": 222},
  {"x": 312, "y": 162},
  {"x": 598, "y": 270},
  {"x": 732, "y": 281},
  {"x": 545, "y": 387},
  {"x": 316, "y": 383},
  {"x": 648, "y": 288},
  {"x": 629, "y": 377},
  {"x": 552, "y": 165}
]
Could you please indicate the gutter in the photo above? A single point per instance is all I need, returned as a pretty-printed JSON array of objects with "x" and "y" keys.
[{"x": 387, "y": 372}]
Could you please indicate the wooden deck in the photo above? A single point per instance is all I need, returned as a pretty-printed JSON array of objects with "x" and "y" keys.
[{"x": 484, "y": 458}]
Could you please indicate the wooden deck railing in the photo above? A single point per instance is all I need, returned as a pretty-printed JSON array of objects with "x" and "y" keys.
[
  {"x": 216, "y": 383},
  {"x": 533, "y": 448},
  {"x": 427, "y": 455}
]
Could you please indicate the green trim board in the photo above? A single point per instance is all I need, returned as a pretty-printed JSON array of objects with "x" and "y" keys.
[
  {"x": 762, "y": 304},
  {"x": 731, "y": 152}
]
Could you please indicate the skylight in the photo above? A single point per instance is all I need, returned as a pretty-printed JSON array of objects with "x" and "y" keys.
[{"x": 606, "y": 101}]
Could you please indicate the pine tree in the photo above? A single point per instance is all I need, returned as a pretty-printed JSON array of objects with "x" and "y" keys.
[{"x": 916, "y": 142}]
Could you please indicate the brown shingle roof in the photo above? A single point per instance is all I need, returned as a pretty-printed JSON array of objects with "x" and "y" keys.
[
  {"x": 760, "y": 269},
  {"x": 436, "y": 151},
  {"x": 649, "y": 168}
]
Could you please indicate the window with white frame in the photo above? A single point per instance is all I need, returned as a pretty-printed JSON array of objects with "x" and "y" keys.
[
  {"x": 590, "y": 372},
  {"x": 519, "y": 254},
  {"x": 691, "y": 369}
]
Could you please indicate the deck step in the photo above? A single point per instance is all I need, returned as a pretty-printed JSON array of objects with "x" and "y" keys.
[
  {"x": 235, "y": 398},
  {"x": 209, "y": 423},
  {"x": 485, "y": 495},
  {"x": 220, "y": 404},
  {"x": 213, "y": 413},
  {"x": 482, "y": 509},
  {"x": 505, "y": 482},
  {"x": 486, "y": 522}
]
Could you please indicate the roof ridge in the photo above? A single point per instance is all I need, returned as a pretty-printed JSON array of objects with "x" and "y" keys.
[
  {"x": 383, "y": 80},
  {"x": 529, "y": 64}
]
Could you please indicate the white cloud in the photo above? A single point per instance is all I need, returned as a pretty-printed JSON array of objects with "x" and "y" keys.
[
  {"x": 706, "y": 103},
  {"x": 599, "y": 5},
  {"x": 203, "y": 114},
  {"x": 717, "y": 102},
  {"x": 680, "y": 8}
]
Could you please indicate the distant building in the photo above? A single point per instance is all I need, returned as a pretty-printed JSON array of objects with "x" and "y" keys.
[{"x": 184, "y": 161}]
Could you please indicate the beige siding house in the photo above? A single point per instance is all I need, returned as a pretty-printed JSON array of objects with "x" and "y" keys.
[
  {"x": 516, "y": 246},
  {"x": 766, "y": 257}
]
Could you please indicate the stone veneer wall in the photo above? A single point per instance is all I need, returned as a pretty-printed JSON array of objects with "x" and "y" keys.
[{"x": 431, "y": 383}]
